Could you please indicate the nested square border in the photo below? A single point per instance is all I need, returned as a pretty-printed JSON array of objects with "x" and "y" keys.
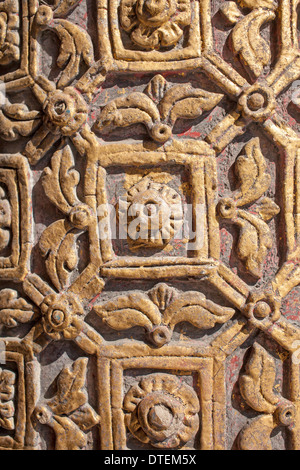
[
  {"x": 22, "y": 225},
  {"x": 20, "y": 77},
  {"x": 17, "y": 442},
  {"x": 189, "y": 57},
  {"x": 211, "y": 393},
  {"x": 199, "y": 158}
]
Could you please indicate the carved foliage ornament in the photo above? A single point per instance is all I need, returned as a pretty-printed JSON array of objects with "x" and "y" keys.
[{"x": 193, "y": 125}]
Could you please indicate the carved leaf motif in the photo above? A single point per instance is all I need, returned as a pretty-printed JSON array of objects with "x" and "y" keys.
[
  {"x": 130, "y": 310},
  {"x": 85, "y": 417},
  {"x": 268, "y": 209},
  {"x": 59, "y": 247},
  {"x": 62, "y": 7},
  {"x": 70, "y": 394},
  {"x": 258, "y": 4},
  {"x": 60, "y": 181},
  {"x": 193, "y": 307},
  {"x": 9, "y": 32},
  {"x": 180, "y": 101},
  {"x": 16, "y": 120},
  {"x": 128, "y": 110},
  {"x": 254, "y": 242},
  {"x": 68, "y": 435},
  {"x": 257, "y": 383},
  {"x": 76, "y": 46},
  {"x": 256, "y": 435},
  {"x": 7, "y": 411},
  {"x": 251, "y": 172},
  {"x": 14, "y": 310},
  {"x": 157, "y": 88},
  {"x": 184, "y": 101},
  {"x": 247, "y": 42},
  {"x": 231, "y": 12}
]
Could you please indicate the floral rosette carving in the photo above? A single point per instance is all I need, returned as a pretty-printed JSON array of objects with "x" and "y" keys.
[
  {"x": 153, "y": 24},
  {"x": 159, "y": 211},
  {"x": 162, "y": 411},
  {"x": 65, "y": 111},
  {"x": 61, "y": 316}
]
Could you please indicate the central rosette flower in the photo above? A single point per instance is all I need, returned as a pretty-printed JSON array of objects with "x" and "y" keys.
[
  {"x": 155, "y": 23},
  {"x": 155, "y": 13},
  {"x": 162, "y": 410}
]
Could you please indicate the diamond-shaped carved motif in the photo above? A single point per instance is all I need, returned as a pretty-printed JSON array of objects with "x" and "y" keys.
[{"x": 149, "y": 223}]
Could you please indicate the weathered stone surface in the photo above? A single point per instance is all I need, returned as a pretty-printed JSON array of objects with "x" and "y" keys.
[{"x": 149, "y": 224}]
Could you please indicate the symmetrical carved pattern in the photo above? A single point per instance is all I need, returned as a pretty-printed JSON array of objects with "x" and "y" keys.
[{"x": 150, "y": 216}]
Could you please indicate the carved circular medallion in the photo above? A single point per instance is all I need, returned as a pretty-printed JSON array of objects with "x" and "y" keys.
[
  {"x": 153, "y": 213},
  {"x": 162, "y": 411}
]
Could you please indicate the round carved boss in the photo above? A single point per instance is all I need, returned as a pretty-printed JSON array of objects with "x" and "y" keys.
[{"x": 162, "y": 410}]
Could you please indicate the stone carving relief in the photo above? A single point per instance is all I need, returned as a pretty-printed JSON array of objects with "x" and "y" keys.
[{"x": 149, "y": 224}]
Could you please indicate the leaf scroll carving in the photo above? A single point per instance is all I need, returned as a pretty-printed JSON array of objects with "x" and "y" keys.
[
  {"x": 257, "y": 383},
  {"x": 68, "y": 413},
  {"x": 14, "y": 309},
  {"x": 158, "y": 108},
  {"x": 58, "y": 246},
  {"x": 247, "y": 42},
  {"x": 60, "y": 181},
  {"x": 7, "y": 396},
  {"x": 254, "y": 51},
  {"x": 75, "y": 44},
  {"x": 255, "y": 238},
  {"x": 257, "y": 388},
  {"x": 160, "y": 310},
  {"x": 16, "y": 120}
]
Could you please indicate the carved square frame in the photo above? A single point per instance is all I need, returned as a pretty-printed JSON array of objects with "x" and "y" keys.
[
  {"x": 16, "y": 171},
  {"x": 112, "y": 49},
  {"x": 19, "y": 79},
  {"x": 198, "y": 157},
  {"x": 209, "y": 391},
  {"x": 27, "y": 371}
]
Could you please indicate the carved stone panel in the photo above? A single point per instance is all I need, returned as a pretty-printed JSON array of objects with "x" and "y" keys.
[{"x": 149, "y": 225}]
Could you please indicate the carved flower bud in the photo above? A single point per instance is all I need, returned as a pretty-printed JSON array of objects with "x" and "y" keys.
[
  {"x": 263, "y": 306},
  {"x": 160, "y": 335},
  {"x": 44, "y": 15},
  {"x": 227, "y": 208},
  {"x": 43, "y": 414},
  {"x": 285, "y": 414},
  {"x": 161, "y": 132},
  {"x": 80, "y": 216}
]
